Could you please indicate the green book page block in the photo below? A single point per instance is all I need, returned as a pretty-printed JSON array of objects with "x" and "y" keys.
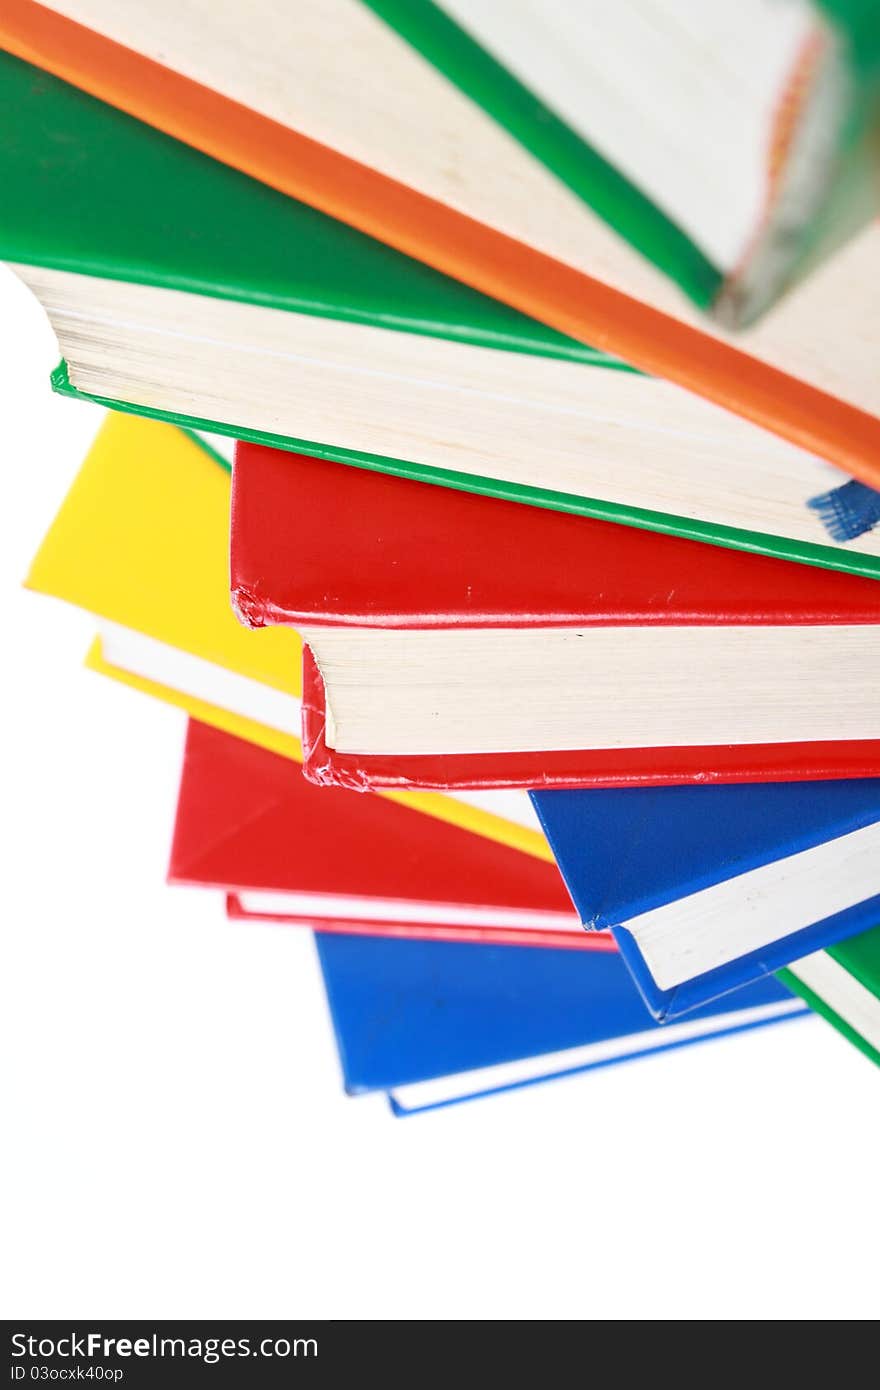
[
  {"x": 820, "y": 1007},
  {"x": 608, "y": 192},
  {"x": 89, "y": 189},
  {"x": 823, "y": 556}
]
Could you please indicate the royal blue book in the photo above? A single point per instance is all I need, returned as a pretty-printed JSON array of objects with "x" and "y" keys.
[
  {"x": 436, "y": 1022},
  {"x": 707, "y": 889}
]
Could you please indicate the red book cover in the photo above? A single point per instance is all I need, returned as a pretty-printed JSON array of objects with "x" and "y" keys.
[
  {"x": 250, "y": 825},
  {"x": 316, "y": 543}
]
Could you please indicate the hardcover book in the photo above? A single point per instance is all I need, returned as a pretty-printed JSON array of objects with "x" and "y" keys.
[
  {"x": 457, "y": 641},
  {"x": 709, "y": 888},
  {"x": 142, "y": 541},
  {"x": 418, "y": 163},
  {"x": 227, "y": 330},
  {"x": 434, "y": 1022},
  {"x": 283, "y": 851}
]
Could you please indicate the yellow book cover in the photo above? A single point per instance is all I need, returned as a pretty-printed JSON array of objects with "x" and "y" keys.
[{"x": 141, "y": 541}]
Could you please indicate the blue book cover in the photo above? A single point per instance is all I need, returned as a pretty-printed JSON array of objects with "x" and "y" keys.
[
  {"x": 707, "y": 889},
  {"x": 435, "y": 1022}
]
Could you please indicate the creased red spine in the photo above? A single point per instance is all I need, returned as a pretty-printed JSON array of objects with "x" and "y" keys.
[{"x": 597, "y": 767}]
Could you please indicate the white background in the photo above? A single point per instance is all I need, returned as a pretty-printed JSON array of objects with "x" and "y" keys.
[{"x": 178, "y": 1143}]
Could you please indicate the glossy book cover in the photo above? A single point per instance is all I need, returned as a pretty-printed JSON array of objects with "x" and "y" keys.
[
  {"x": 433, "y": 1023},
  {"x": 709, "y": 888},
  {"x": 770, "y": 388}
]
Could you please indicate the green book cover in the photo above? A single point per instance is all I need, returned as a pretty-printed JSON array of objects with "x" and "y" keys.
[
  {"x": 91, "y": 190},
  {"x": 825, "y": 188},
  {"x": 860, "y": 957},
  {"x": 755, "y": 542}
]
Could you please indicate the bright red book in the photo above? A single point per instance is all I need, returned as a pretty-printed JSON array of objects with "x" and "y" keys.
[
  {"x": 248, "y": 824},
  {"x": 379, "y": 561}
]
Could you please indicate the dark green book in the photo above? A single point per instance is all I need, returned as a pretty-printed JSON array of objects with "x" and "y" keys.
[{"x": 181, "y": 289}]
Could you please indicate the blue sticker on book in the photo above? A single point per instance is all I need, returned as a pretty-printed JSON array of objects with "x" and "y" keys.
[{"x": 847, "y": 511}]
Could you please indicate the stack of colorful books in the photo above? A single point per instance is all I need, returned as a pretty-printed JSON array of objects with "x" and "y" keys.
[{"x": 490, "y": 474}]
